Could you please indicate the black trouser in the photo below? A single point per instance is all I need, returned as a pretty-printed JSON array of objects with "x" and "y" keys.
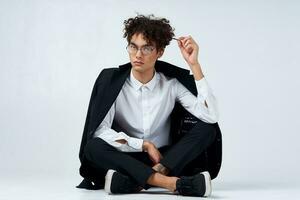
[{"x": 137, "y": 165}]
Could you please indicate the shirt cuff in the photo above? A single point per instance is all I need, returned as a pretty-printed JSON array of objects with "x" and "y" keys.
[
  {"x": 202, "y": 87},
  {"x": 135, "y": 143}
]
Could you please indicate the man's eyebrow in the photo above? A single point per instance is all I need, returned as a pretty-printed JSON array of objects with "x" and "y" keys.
[{"x": 137, "y": 45}]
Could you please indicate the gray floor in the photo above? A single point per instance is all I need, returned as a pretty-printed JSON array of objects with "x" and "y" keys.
[{"x": 31, "y": 188}]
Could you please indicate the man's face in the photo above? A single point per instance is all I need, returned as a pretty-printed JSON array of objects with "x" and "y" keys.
[{"x": 139, "y": 61}]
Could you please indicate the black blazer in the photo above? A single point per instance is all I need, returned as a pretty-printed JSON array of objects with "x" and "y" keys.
[{"x": 106, "y": 89}]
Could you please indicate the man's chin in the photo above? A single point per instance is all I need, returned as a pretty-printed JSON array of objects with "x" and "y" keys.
[{"x": 138, "y": 68}]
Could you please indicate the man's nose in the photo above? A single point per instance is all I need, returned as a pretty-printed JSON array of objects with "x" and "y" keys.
[{"x": 138, "y": 53}]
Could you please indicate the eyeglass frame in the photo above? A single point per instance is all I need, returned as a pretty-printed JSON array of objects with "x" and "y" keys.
[{"x": 139, "y": 48}]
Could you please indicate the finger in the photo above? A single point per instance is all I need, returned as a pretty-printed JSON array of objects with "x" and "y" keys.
[
  {"x": 183, "y": 40},
  {"x": 190, "y": 50},
  {"x": 156, "y": 160},
  {"x": 187, "y": 38},
  {"x": 159, "y": 156},
  {"x": 153, "y": 160},
  {"x": 180, "y": 43},
  {"x": 189, "y": 47},
  {"x": 181, "y": 47},
  {"x": 189, "y": 41}
]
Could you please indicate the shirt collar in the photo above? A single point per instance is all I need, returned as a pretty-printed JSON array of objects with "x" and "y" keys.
[{"x": 137, "y": 84}]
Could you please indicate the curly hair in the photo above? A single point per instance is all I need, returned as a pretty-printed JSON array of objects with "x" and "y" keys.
[{"x": 155, "y": 30}]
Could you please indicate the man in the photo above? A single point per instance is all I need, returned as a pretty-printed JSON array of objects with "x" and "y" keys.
[{"x": 126, "y": 135}]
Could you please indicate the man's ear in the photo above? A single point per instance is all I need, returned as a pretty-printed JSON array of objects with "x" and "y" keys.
[{"x": 161, "y": 52}]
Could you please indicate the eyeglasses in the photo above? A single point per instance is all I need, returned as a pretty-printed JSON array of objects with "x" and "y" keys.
[{"x": 146, "y": 50}]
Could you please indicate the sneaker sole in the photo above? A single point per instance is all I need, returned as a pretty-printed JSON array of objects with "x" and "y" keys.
[
  {"x": 207, "y": 184},
  {"x": 108, "y": 179}
]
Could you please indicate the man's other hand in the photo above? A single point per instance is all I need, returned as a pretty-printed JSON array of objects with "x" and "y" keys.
[
  {"x": 189, "y": 50},
  {"x": 152, "y": 151}
]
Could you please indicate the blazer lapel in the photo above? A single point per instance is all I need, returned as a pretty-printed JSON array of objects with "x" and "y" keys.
[{"x": 108, "y": 93}]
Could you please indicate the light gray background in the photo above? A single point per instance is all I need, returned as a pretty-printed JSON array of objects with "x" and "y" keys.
[{"x": 52, "y": 51}]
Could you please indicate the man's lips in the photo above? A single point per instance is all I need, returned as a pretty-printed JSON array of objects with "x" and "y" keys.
[{"x": 138, "y": 62}]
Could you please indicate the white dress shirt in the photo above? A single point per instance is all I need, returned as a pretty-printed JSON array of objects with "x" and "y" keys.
[{"x": 142, "y": 111}]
